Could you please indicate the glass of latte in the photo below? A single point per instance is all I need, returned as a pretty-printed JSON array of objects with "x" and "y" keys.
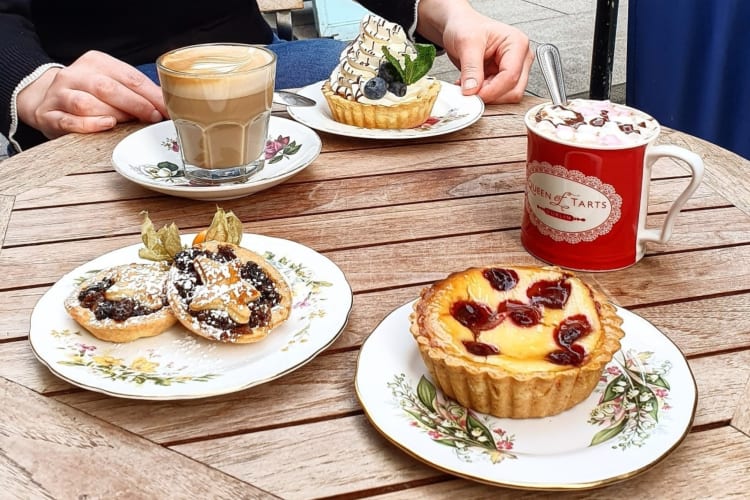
[{"x": 219, "y": 97}]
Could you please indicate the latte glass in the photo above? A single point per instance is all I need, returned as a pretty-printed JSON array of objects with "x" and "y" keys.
[{"x": 219, "y": 97}]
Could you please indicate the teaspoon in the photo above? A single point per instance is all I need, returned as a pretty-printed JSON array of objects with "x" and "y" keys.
[
  {"x": 291, "y": 99},
  {"x": 549, "y": 61}
]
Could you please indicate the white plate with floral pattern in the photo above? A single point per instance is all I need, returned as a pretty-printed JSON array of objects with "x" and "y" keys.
[
  {"x": 452, "y": 111},
  {"x": 180, "y": 365},
  {"x": 641, "y": 410},
  {"x": 151, "y": 157}
]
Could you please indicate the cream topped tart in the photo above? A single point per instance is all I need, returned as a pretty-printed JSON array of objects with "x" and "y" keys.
[
  {"x": 381, "y": 80},
  {"x": 515, "y": 341},
  {"x": 123, "y": 303},
  {"x": 225, "y": 292}
]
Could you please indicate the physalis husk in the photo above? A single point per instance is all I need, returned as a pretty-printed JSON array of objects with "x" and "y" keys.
[
  {"x": 160, "y": 245},
  {"x": 226, "y": 227}
]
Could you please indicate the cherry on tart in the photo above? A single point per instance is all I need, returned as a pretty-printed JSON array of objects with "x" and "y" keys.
[{"x": 515, "y": 341}]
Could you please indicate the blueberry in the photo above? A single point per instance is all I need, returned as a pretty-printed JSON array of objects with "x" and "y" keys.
[
  {"x": 388, "y": 72},
  {"x": 398, "y": 88},
  {"x": 375, "y": 88}
]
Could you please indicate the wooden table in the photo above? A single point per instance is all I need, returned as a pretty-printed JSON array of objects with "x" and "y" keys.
[{"x": 394, "y": 216}]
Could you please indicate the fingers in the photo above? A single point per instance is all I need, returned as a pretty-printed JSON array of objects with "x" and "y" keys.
[
  {"x": 116, "y": 84},
  {"x": 92, "y": 94},
  {"x": 508, "y": 83},
  {"x": 115, "y": 94},
  {"x": 495, "y": 59},
  {"x": 65, "y": 123},
  {"x": 144, "y": 96},
  {"x": 81, "y": 103},
  {"x": 472, "y": 69}
]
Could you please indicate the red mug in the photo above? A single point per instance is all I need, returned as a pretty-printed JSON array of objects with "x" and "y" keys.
[{"x": 587, "y": 189}]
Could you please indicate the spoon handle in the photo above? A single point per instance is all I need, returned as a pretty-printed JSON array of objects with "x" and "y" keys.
[
  {"x": 549, "y": 61},
  {"x": 292, "y": 98}
]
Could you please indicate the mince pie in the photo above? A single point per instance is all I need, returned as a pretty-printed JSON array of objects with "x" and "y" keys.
[
  {"x": 224, "y": 292},
  {"x": 123, "y": 303}
]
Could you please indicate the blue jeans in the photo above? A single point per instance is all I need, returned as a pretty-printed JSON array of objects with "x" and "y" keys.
[{"x": 298, "y": 62}]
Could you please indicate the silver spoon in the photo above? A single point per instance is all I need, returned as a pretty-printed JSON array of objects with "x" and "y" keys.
[
  {"x": 292, "y": 99},
  {"x": 549, "y": 61}
]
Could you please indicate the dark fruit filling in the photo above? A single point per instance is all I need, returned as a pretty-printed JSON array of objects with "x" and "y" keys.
[
  {"x": 480, "y": 348},
  {"x": 92, "y": 297},
  {"x": 474, "y": 316},
  {"x": 572, "y": 329},
  {"x": 501, "y": 279},
  {"x": 521, "y": 314},
  {"x": 260, "y": 309},
  {"x": 253, "y": 273},
  {"x": 573, "y": 356},
  {"x": 568, "y": 332},
  {"x": 552, "y": 294}
]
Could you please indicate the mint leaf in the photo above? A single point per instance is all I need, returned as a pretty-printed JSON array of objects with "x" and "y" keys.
[{"x": 412, "y": 71}]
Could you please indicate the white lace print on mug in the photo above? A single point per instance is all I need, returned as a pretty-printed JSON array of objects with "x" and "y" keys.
[{"x": 569, "y": 206}]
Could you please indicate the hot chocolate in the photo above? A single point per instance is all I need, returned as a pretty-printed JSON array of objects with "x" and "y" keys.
[
  {"x": 588, "y": 173},
  {"x": 593, "y": 123},
  {"x": 219, "y": 97}
]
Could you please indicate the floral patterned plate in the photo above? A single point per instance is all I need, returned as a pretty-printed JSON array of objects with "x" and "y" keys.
[
  {"x": 453, "y": 111},
  {"x": 180, "y": 365},
  {"x": 151, "y": 157},
  {"x": 641, "y": 410}
]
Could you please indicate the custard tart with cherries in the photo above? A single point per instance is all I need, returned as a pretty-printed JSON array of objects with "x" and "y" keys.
[{"x": 515, "y": 341}]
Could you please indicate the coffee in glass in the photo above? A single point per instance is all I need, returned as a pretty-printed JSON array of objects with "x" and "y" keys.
[{"x": 219, "y": 97}]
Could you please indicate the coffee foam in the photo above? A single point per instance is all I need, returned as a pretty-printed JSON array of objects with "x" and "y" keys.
[
  {"x": 593, "y": 123},
  {"x": 221, "y": 72}
]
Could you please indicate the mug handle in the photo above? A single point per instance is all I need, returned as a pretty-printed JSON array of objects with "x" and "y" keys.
[{"x": 695, "y": 163}]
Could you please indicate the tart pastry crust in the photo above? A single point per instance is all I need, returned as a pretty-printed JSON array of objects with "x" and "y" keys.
[
  {"x": 409, "y": 114},
  {"x": 228, "y": 293},
  {"x": 123, "y": 303},
  {"x": 531, "y": 346}
]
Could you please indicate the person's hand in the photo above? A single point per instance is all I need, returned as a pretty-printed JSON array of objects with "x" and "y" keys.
[
  {"x": 494, "y": 58},
  {"x": 93, "y": 94}
]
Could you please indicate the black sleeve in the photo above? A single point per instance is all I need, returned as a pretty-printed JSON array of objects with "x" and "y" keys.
[{"x": 20, "y": 53}]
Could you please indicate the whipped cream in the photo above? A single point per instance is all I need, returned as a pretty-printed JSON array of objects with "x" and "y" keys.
[
  {"x": 361, "y": 59},
  {"x": 590, "y": 122}
]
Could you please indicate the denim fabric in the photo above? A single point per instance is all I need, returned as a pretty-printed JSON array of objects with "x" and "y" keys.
[{"x": 298, "y": 62}]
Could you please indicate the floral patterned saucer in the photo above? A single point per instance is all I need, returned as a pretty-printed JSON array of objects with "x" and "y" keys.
[
  {"x": 453, "y": 111},
  {"x": 179, "y": 365},
  {"x": 641, "y": 410},
  {"x": 151, "y": 157}
]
